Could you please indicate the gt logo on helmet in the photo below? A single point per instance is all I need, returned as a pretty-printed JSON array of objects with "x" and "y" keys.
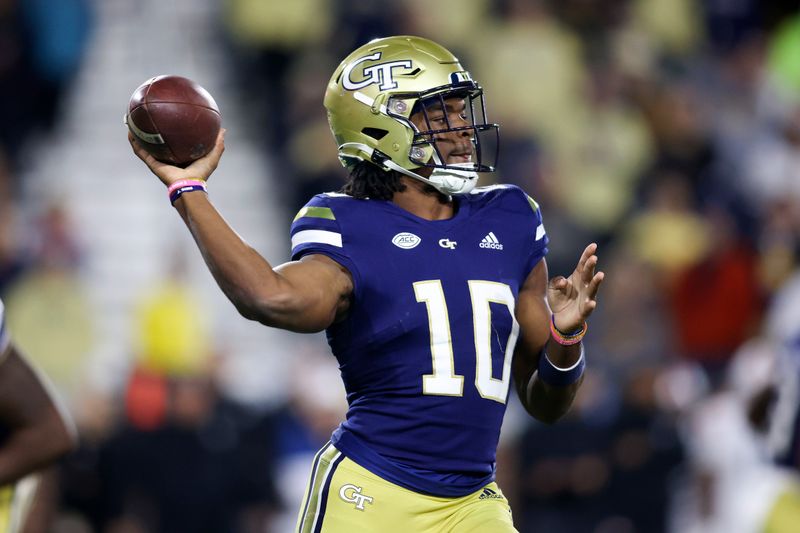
[{"x": 380, "y": 74}]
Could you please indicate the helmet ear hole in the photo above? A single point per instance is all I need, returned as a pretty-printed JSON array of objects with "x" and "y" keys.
[{"x": 375, "y": 133}]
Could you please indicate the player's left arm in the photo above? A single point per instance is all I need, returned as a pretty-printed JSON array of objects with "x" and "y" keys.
[
  {"x": 40, "y": 431},
  {"x": 569, "y": 301}
]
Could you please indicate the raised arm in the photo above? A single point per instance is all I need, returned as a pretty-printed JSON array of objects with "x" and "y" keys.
[
  {"x": 568, "y": 302},
  {"x": 304, "y": 296}
]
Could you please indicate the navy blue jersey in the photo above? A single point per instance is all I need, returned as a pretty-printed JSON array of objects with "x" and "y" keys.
[{"x": 425, "y": 351}]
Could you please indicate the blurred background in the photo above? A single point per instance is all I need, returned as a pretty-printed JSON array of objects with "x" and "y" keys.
[{"x": 668, "y": 131}]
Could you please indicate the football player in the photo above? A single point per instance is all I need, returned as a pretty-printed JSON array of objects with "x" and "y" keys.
[
  {"x": 35, "y": 430},
  {"x": 434, "y": 295}
]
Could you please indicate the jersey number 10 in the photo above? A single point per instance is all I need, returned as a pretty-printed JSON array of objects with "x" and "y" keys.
[{"x": 444, "y": 381}]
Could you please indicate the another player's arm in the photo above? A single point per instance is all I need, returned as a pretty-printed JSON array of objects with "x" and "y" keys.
[
  {"x": 304, "y": 296},
  {"x": 40, "y": 431},
  {"x": 573, "y": 301}
]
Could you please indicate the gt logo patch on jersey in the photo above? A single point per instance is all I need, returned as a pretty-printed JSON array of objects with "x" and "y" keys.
[
  {"x": 352, "y": 494},
  {"x": 380, "y": 73},
  {"x": 447, "y": 243}
]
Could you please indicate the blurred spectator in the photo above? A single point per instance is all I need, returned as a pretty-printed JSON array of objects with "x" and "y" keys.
[
  {"x": 771, "y": 181},
  {"x": 42, "y": 45},
  {"x": 784, "y": 57},
  {"x": 597, "y": 169},
  {"x": 667, "y": 233},
  {"x": 360, "y": 21},
  {"x": 312, "y": 159},
  {"x": 729, "y": 23},
  {"x": 183, "y": 458},
  {"x": 204, "y": 470},
  {"x": 302, "y": 425},
  {"x": 13, "y": 261},
  {"x": 531, "y": 68},
  {"x": 620, "y": 347},
  {"x": 677, "y": 112},
  {"x": 451, "y": 21},
  {"x": 59, "y": 33},
  {"x": 316, "y": 171},
  {"x": 731, "y": 484},
  {"x": 778, "y": 243},
  {"x": 674, "y": 27},
  {"x": 773, "y": 170},
  {"x": 172, "y": 330},
  {"x": 783, "y": 419},
  {"x": 266, "y": 37},
  {"x": 717, "y": 303},
  {"x": 587, "y": 473},
  {"x": 52, "y": 292}
]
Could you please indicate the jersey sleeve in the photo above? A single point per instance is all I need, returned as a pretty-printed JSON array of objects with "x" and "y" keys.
[
  {"x": 538, "y": 236},
  {"x": 316, "y": 230},
  {"x": 4, "y": 339}
]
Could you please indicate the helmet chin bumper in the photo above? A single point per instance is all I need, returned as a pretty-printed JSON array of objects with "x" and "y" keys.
[
  {"x": 445, "y": 180},
  {"x": 453, "y": 181}
]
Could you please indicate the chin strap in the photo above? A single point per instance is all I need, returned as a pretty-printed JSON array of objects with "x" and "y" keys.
[{"x": 445, "y": 180}]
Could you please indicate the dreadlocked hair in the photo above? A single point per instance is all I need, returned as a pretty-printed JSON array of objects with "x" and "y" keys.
[{"x": 368, "y": 180}]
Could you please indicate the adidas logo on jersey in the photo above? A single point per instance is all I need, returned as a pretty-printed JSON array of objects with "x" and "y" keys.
[{"x": 490, "y": 241}]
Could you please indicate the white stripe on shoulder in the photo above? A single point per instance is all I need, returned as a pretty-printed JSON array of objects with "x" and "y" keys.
[
  {"x": 540, "y": 232},
  {"x": 316, "y": 236},
  {"x": 487, "y": 188},
  {"x": 336, "y": 195}
]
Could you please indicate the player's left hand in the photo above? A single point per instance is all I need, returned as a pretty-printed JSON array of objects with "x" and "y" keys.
[
  {"x": 201, "y": 169},
  {"x": 573, "y": 299}
]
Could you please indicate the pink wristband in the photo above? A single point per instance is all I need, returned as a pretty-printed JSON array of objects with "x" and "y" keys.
[
  {"x": 566, "y": 339},
  {"x": 185, "y": 183}
]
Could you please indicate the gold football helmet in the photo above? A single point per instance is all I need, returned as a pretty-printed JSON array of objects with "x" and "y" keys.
[{"x": 373, "y": 93}]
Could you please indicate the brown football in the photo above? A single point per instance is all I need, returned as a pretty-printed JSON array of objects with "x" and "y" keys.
[{"x": 174, "y": 119}]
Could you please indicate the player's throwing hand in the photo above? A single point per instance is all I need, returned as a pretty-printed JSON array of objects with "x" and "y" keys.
[{"x": 200, "y": 169}]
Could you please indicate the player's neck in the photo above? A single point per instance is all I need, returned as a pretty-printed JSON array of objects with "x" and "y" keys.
[{"x": 424, "y": 201}]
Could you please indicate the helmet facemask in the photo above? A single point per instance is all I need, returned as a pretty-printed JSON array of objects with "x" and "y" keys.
[{"x": 435, "y": 108}]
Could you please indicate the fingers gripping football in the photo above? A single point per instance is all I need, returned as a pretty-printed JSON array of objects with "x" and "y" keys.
[{"x": 168, "y": 174}]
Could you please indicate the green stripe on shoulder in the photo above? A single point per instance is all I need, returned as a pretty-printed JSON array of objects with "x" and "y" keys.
[
  {"x": 533, "y": 203},
  {"x": 315, "y": 212}
]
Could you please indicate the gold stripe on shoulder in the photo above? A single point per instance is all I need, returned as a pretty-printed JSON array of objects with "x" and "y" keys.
[
  {"x": 533, "y": 203},
  {"x": 315, "y": 212}
]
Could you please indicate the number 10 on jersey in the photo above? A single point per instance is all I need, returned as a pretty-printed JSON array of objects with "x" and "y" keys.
[{"x": 444, "y": 381}]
